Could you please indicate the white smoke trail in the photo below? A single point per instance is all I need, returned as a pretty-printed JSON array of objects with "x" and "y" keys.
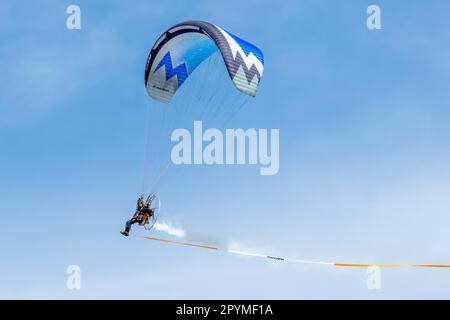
[
  {"x": 169, "y": 229},
  {"x": 236, "y": 249}
]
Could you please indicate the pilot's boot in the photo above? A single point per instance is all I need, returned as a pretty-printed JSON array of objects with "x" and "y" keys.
[{"x": 126, "y": 232}]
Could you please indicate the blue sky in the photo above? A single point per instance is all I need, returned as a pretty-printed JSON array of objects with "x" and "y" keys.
[{"x": 364, "y": 148}]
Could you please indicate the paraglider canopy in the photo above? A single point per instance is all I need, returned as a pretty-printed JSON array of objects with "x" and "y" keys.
[{"x": 182, "y": 48}]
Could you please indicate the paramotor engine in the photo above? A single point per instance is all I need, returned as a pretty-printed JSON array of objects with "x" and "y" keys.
[{"x": 155, "y": 204}]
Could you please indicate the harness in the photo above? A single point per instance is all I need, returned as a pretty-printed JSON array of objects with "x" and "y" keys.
[{"x": 145, "y": 217}]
